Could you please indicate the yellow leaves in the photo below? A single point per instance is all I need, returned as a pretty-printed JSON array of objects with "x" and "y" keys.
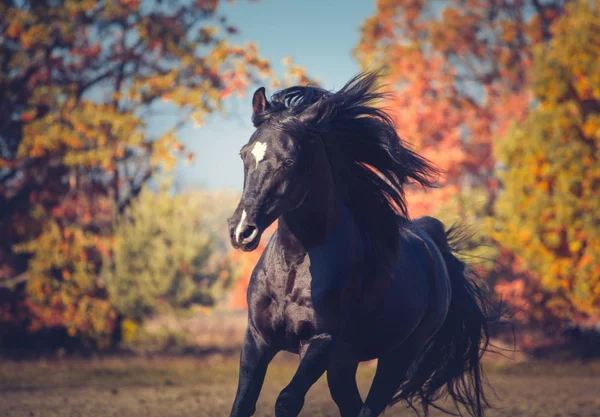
[
  {"x": 130, "y": 330},
  {"x": 163, "y": 82},
  {"x": 551, "y": 169},
  {"x": 162, "y": 151},
  {"x": 533, "y": 29},
  {"x": 33, "y": 35},
  {"x": 14, "y": 29},
  {"x": 509, "y": 31},
  {"x": 83, "y": 124},
  {"x": 591, "y": 127},
  {"x": 204, "y": 310},
  {"x": 198, "y": 118},
  {"x": 89, "y": 134},
  {"x": 208, "y": 31},
  {"x": 582, "y": 85},
  {"x": 574, "y": 246},
  {"x": 525, "y": 236},
  {"x": 588, "y": 161},
  {"x": 543, "y": 186},
  {"x": 570, "y": 62},
  {"x": 63, "y": 284},
  {"x": 75, "y": 7},
  {"x": 597, "y": 291}
]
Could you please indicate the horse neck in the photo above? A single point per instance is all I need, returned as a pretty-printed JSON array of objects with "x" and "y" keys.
[{"x": 314, "y": 221}]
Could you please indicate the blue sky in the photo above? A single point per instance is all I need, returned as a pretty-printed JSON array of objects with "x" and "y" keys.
[{"x": 318, "y": 34}]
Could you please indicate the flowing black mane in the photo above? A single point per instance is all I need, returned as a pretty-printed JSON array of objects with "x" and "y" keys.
[{"x": 371, "y": 164}]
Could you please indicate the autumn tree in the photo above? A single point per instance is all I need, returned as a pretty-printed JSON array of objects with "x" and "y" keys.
[
  {"x": 547, "y": 212},
  {"x": 458, "y": 70},
  {"x": 80, "y": 81}
]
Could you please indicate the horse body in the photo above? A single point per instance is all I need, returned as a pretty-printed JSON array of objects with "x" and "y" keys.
[
  {"x": 344, "y": 280},
  {"x": 296, "y": 293}
]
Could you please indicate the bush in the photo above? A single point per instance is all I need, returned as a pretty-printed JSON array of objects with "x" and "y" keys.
[{"x": 165, "y": 258}]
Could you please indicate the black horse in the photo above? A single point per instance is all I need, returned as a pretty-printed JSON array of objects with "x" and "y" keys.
[{"x": 347, "y": 277}]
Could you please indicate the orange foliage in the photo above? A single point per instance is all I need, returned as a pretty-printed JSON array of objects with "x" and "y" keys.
[
  {"x": 76, "y": 148},
  {"x": 547, "y": 211},
  {"x": 459, "y": 74}
]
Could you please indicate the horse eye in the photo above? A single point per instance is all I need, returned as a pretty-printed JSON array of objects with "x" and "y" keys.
[{"x": 288, "y": 163}]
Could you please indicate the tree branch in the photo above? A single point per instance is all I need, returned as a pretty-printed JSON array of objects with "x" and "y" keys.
[
  {"x": 135, "y": 190},
  {"x": 12, "y": 282},
  {"x": 541, "y": 9}
]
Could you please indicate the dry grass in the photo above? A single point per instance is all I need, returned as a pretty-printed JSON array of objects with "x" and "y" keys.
[
  {"x": 169, "y": 387},
  {"x": 219, "y": 331},
  {"x": 216, "y": 332}
]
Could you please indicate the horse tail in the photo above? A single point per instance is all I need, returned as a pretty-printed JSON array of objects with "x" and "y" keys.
[{"x": 450, "y": 363}]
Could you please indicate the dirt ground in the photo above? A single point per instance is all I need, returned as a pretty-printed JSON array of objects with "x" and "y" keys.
[{"x": 176, "y": 387}]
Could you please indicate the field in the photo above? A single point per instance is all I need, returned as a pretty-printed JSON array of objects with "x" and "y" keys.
[{"x": 165, "y": 387}]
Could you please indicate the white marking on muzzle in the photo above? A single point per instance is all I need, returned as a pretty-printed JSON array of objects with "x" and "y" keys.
[
  {"x": 238, "y": 229},
  {"x": 258, "y": 151}
]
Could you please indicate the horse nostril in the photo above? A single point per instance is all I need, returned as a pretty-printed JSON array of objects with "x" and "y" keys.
[{"x": 248, "y": 232}]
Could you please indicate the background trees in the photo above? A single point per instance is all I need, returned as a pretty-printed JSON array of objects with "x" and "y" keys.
[
  {"x": 460, "y": 72},
  {"x": 464, "y": 72},
  {"x": 548, "y": 211},
  {"x": 80, "y": 82},
  {"x": 503, "y": 95}
]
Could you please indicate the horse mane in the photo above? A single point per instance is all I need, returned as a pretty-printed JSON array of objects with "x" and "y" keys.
[{"x": 370, "y": 163}]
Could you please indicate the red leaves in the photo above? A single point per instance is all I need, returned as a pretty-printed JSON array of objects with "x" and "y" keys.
[
  {"x": 131, "y": 5},
  {"x": 81, "y": 76},
  {"x": 460, "y": 73},
  {"x": 234, "y": 83},
  {"x": 28, "y": 116},
  {"x": 189, "y": 158},
  {"x": 206, "y": 5}
]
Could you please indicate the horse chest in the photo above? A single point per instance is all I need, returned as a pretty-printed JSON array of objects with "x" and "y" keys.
[
  {"x": 300, "y": 302},
  {"x": 300, "y": 295},
  {"x": 306, "y": 303},
  {"x": 298, "y": 317}
]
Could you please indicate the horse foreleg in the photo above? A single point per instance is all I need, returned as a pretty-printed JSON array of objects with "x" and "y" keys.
[
  {"x": 254, "y": 360},
  {"x": 313, "y": 364},
  {"x": 341, "y": 377}
]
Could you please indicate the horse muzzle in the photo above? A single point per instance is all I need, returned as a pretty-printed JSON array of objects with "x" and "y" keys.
[{"x": 244, "y": 233}]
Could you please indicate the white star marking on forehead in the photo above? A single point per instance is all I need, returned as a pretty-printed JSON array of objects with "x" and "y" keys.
[{"x": 258, "y": 151}]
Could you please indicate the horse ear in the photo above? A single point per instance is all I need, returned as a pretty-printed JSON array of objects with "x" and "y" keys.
[{"x": 259, "y": 101}]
